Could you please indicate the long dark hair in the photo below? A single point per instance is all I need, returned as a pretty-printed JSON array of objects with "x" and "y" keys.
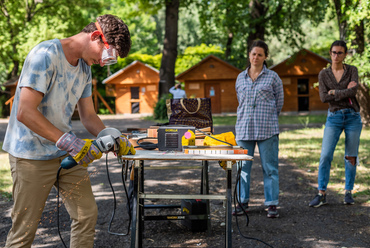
[
  {"x": 261, "y": 44},
  {"x": 339, "y": 43}
]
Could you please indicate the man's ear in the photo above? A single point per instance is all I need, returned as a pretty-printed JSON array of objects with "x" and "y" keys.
[{"x": 95, "y": 35}]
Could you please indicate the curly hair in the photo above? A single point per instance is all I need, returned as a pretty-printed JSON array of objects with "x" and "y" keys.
[{"x": 115, "y": 31}]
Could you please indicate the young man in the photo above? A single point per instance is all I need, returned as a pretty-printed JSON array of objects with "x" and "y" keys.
[{"x": 56, "y": 76}]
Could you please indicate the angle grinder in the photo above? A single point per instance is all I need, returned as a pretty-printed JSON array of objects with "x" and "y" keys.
[{"x": 107, "y": 140}]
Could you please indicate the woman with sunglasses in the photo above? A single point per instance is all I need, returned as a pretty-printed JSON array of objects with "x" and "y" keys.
[{"x": 338, "y": 85}]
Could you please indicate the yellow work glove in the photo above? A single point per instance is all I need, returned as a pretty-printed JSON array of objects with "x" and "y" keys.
[
  {"x": 125, "y": 147},
  {"x": 83, "y": 152}
]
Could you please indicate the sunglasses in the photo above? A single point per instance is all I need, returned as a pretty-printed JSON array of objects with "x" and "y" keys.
[
  {"x": 337, "y": 53},
  {"x": 109, "y": 55}
]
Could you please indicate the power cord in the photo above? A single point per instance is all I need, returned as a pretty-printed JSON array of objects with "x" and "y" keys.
[
  {"x": 151, "y": 146},
  {"x": 115, "y": 201},
  {"x": 125, "y": 165},
  {"x": 146, "y": 145},
  {"x": 213, "y": 137},
  {"x": 236, "y": 201},
  {"x": 58, "y": 196}
]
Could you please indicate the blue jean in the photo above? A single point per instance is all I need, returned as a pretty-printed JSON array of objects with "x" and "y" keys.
[
  {"x": 349, "y": 121},
  {"x": 269, "y": 154}
]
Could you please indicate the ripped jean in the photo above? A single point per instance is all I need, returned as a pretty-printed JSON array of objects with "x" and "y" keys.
[{"x": 349, "y": 121}]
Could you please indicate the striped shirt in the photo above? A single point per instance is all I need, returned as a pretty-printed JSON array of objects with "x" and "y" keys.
[{"x": 260, "y": 103}]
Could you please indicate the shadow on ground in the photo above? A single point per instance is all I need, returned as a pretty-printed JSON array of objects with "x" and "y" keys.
[{"x": 333, "y": 225}]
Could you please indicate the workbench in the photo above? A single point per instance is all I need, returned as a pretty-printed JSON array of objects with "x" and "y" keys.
[{"x": 154, "y": 155}]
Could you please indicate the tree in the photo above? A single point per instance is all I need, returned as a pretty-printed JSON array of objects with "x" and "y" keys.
[
  {"x": 167, "y": 70},
  {"x": 357, "y": 21},
  {"x": 169, "y": 52},
  {"x": 258, "y": 19},
  {"x": 17, "y": 18},
  {"x": 28, "y": 22},
  {"x": 354, "y": 16}
]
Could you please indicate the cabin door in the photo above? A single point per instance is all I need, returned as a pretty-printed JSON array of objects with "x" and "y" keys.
[{"x": 212, "y": 90}]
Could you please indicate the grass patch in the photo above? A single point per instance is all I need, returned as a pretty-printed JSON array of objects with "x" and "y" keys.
[
  {"x": 303, "y": 147},
  {"x": 304, "y": 120},
  {"x": 283, "y": 119},
  {"x": 5, "y": 176}
]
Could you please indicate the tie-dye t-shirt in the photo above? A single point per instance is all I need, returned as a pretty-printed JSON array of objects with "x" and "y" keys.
[{"x": 47, "y": 70}]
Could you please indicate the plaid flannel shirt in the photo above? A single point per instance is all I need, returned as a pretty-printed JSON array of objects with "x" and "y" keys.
[{"x": 260, "y": 103}]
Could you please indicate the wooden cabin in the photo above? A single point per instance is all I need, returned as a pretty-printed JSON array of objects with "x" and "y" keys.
[
  {"x": 212, "y": 78},
  {"x": 299, "y": 73},
  {"x": 11, "y": 87},
  {"x": 135, "y": 88}
]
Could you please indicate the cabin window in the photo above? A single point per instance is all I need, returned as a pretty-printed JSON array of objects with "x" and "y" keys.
[
  {"x": 303, "y": 86},
  {"x": 303, "y": 94},
  {"x": 135, "y": 92}
]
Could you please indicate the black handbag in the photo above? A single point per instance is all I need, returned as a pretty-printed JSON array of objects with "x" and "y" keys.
[{"x": 194, "y": 112}]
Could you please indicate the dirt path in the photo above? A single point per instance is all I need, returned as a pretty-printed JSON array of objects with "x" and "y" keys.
[{"x": 333, "y": 225}]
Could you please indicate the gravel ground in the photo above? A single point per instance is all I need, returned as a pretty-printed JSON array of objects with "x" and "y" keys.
[{"x": 332, "y": 225}]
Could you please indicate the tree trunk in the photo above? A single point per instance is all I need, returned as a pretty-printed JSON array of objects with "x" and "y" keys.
[
  {"x": 228, "y": 46},
  {"x": 359, "y": 41},
  {"x": 258, "y": 35},
  {"x": 341, "y": 20},
  {"x": 258, "y": 10},
  {"x": 167, "y": 70},
  {"x": 14, "y": 71},
  {"x": 363, "y": 98}
]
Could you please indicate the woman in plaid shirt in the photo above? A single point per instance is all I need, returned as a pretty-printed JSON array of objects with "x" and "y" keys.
[{"x": 261, "y": 97}]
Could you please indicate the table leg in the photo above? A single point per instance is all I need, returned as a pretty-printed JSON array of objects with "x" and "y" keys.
[
  {"x": 228, "y": 241},
  {"x": 134, "y": 228},
  {"x": 140, "y": 203},
  {"x": 205, "y": 191}
]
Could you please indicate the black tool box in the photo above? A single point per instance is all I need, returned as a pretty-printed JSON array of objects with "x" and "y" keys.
[{"x": 192, "y": 208}]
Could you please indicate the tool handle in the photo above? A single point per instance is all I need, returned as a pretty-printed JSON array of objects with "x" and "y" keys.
[{"x": 69, "y": 162}]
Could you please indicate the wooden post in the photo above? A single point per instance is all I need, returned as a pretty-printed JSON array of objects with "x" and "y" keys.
[
  {"x": 10, "y": 101},
  {"x": 96, "y": 94}
]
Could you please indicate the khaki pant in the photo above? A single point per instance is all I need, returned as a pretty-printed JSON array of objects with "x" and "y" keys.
[{"x": 32, "y": 182}]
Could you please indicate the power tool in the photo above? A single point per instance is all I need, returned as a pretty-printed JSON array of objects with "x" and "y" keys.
[
  {"x": 108, "y": 140},
  {"x": 170, "y": 137}
]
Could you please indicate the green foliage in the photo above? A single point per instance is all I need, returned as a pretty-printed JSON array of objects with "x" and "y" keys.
[
  {"x": 361, "y": 61},
  {"x": 101, "y": 73},
  {"x": 160, "y": 110},
  {"x": 193, "y": 55},
  {"x": 26, "y": 23},
  {"x": 145, "y": 28},
  {"x": 265, "y": 18},
  {"x": 152, "y": 60}
]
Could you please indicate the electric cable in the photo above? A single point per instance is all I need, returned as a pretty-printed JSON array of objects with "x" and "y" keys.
[
  {"x": 58, "y": 196},
  {"x": 152, "y": 146},
  {"x": 236, "y": 200},
  {"x": 147, "y": 145},
  {"x": 213, "y": 137},
  {"x": 115, "y": 200}
]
